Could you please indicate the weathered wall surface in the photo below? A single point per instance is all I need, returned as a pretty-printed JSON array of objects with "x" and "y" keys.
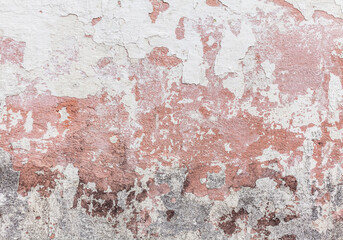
[{"x": 174, "y": 119}]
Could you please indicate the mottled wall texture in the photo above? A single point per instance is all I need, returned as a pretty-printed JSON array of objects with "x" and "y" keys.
[{"x": 171, "y": 119}]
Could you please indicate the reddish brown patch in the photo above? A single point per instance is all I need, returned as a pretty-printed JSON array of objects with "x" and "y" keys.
[
  {"x": 158, "y": 7},
  {"x": 180, "y": 30},
  {"x": 203, "y": 110},
  {"x": 213, "y": 3},
  {"x": 103, "y": 62},
  {"x": 159, "y": 56},
  {"x": 96, "y": 20},
  {"x": 269, "y": 220},
  {"x": 229, "y": 226},
  {"x": 185, "y": 185},
  {"x": 289, "y": 237},
  {"x": 294, "y": 11},
  {"x": 319, "y": 13},
  {"x": 37, "y": 175},
  {"x": 130, "y": 197},
  {"x": 101, "y": 205},
  {"x": 291, "y": 182},
  {"x": 11, "y": 51},
  {"x": 170, "y": 214},
  {"x": 142, "y": 196},
  {"x": 266, "y": 221},
  {"x": 290, "y": 218},
  {"x": 132, "y": 224}
]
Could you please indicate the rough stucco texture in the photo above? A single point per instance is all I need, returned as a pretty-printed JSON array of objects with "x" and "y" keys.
[{"x": 171, "y": 119}]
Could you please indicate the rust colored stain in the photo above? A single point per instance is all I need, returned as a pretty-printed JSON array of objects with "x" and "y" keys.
[
  {"x": 11, "y": 51},
  {"x": 230, "y": 226},
  {"x": 158, "y": 7},
  {"x": 180, "y": 30},
  {"x": 159, "y": 56},
  {"x": 291, "y": 182},
  {"x": 289, "y": 237},
  {"x": 96, "y": 20},
  {"x": 213, "y": 3},
  {"x": 142, "y": 196},
  {"x": 263, "y": 223},
  {"x": 170, "y": 214},
  {"x": 290, "y": 218},
  {"x": 104, "y": 62}
]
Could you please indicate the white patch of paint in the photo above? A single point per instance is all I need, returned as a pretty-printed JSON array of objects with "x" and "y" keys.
[
  {"x": 15, "y": 117},
  {"x": 194, "y": 68},
  {"x": 268, "y": 68},
  {"x": 51, "y": 132},
  {"x": 233, "y": 49},
  {"x": 270, "y": 154},
  {"x": 302, "y": 112},
  {"x": 114, "y": 139},
  {"x": 29, "y": 122},
  {"x": 91, "y": 186},
  {"x": 335, "y": 134},
  {"x": 2, "y": 199},
  {"x": 25, "y": 160},
  {"x": 211, "y": 41},
  {"x": 335, "y": 97},
  {"x": 23, "y": 143},
  {"x": 227, "y": 147},
  {"x": 235, "y": 85},
  {"x": 185, "y": 100},
  {"x": 210, "y": 132},
  {"x": 313, "y": 133},
  {"x": 64, "y": 114}
]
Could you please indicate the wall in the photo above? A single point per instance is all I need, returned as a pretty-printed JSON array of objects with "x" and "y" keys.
[{"x": 174, "y": 119}]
